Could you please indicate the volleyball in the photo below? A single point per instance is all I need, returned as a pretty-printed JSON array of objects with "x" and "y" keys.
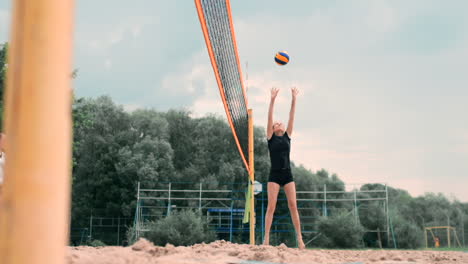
[{"x": 282, "y": 58}]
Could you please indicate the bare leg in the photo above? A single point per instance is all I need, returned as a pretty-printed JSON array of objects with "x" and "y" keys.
[
  {"x": 273, "y": 189},
  {"x": 290, "y": 190}
]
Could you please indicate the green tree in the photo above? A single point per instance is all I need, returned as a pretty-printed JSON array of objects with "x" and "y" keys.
[
  {"x": 372, "y": 215},
  {"x": 100, "y": 130},
  {"x": 114, "y": 149},
  {"x": 3, "y": 68},
  {"x": 181, "y": 137},
  {"x": 111, "y": 155},
  {"x": 407, "y": 233}
]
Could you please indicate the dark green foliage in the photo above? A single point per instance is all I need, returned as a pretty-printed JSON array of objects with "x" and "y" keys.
[
  {"x": 182, "y": 228},
  {"x": 3, "y": 68},
  {"x": 407, "y": 233},
  {"x": 340, "y": 231},
  {"x": 97, "y": 243},
  {"x": 102, "y": 178},
  {"x": 114, "y": 149}
]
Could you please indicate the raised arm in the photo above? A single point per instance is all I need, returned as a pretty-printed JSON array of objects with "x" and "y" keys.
[
  {"x": 274, "y": 93},
  {"x": 294, "y": 92}
]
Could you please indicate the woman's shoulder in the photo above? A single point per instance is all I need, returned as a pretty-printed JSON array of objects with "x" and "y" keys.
[
  {"x": 285, "y": 135},
  {"x": 271, "y": 138},
  {"x": 273, "y": 135}
]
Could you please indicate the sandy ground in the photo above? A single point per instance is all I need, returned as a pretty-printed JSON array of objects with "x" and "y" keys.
[{"x": 221, "y": 252}]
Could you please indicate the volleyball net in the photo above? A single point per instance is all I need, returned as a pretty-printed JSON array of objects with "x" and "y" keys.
[{"x": 218, "y": 30}]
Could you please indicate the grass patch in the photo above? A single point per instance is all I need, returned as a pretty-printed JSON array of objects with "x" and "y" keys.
[{"x": 465, "y": 249}]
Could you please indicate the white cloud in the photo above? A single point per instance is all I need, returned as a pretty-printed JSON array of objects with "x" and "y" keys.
[
  {"x": 326, "y": 36},
  {"x": 209, "y": 103},
  {"x": 196, "y": 71},
  {"x": 381, "y": 17},
  {"x": 195, "y": 78},
  {"x": 132, "y": 107},
  {"x": 115, "y": 33},
  {"x": 462, "y": 143},
  {"x": 363, "y": 112},
  {"x": 108, "y": 64},
  {"x": 5, "y": 18},
  {"x": 208, "y": 100}
]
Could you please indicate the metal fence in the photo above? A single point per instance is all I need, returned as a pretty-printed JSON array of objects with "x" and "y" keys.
[{"x": 224, "y": 207}]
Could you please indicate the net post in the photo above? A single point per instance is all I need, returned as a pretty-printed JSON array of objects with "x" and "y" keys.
[
  {"x": 35, "y": 202},
  {"x": 325, "y": 211},
  {"x": 425, "y": 236},
  {"x": 251, "y": 178},
  {"x": 199, "y": 201},
  {"x": 448, "y": 236},
  {"x": 388, "y": 216}
]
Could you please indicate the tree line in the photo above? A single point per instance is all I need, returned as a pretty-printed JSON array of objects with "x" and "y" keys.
[{"x": 114, "y": 149}]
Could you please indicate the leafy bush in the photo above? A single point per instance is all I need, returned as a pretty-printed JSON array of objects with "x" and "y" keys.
[
  {"x": 407, "y": 233},
  {"x": 340, "y": 231},
  {"x": 180, "y": 229},
  {"x": 131, "y": 235},
  {"x": 96, "y": 243}
]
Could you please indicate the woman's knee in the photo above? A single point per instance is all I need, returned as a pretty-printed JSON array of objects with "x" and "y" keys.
[
  {"x": 292, "y": 205},
  {"x": 271, "y": 209}
]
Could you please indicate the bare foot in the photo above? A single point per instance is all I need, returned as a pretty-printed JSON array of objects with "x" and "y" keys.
[
  {"x": 301, "y": 244},
  {"x": 266, "y": 242}
]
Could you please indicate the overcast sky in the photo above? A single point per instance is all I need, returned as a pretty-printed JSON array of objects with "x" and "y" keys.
[{"x": 384, "y": 84}]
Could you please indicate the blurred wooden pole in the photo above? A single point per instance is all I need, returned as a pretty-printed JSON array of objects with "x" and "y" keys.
[{"x": 35, "y": 203}]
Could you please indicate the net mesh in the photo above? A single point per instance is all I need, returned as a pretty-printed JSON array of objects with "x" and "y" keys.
[{"x": 216, "y": 21}]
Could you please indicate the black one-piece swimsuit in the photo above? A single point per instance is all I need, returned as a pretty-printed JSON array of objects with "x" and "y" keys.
[{"x": 280, "y": 148}]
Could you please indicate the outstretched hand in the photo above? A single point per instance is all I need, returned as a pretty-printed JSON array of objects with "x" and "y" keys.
[
  {"x": 294, "y": 92},
  {"x": 274, "y": 93}
]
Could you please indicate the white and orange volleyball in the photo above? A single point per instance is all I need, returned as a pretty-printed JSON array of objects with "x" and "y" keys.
[{"x": 282, "y": 58}]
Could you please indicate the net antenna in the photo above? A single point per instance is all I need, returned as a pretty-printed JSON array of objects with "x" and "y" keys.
[
  {"x": 218, "y": 29},
  {"x": 247, "y": 76}
]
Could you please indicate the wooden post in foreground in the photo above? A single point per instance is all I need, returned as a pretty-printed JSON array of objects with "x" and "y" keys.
[{"x": 35, "y": 202}]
